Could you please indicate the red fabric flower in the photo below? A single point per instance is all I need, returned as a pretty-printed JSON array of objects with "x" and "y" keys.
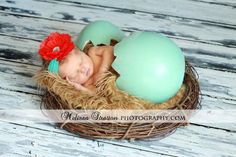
[{"x": 56, "y": 45}]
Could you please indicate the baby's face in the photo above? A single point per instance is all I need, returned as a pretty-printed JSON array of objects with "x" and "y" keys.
[{"x": 78, "y": 67}]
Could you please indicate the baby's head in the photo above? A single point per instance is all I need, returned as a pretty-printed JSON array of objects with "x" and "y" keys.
[
  {"x": 65, "y": 58},
  {"x": 77, "y": 66}
]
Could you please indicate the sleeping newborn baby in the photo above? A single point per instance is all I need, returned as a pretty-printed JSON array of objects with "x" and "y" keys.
[
  {"x": 80, "y": 69},
  {"x": 83, "y": 70}
]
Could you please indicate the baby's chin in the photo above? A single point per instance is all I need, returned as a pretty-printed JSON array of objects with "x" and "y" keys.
[{"x": 88, "y": 81}]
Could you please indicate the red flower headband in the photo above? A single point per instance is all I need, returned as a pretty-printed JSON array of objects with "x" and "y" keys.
[{"x": 54, "y": 48}]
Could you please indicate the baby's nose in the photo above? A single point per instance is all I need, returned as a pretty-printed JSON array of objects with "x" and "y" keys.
[{"x": 83, "y": 70}]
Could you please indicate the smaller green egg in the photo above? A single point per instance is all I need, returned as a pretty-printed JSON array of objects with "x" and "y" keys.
[{"x": 99, "y": 32}]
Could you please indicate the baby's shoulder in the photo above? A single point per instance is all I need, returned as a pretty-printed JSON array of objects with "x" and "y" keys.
[{"x": 96, "y": 50}]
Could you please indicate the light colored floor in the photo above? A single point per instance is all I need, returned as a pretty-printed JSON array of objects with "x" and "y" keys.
[{"x": 204, "y": 29}]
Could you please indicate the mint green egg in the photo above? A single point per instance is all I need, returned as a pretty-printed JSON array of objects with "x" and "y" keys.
[
  {"x": 151, "y": 66},
  {"x": 99, "y": 32}
]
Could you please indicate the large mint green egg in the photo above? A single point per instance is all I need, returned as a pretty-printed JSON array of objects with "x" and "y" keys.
[
  {"x": 99, "y": 32},
  {"x": 151, "y": 66}
]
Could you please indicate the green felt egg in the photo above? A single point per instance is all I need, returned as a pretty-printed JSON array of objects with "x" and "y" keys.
[
  {"x": 99, "y": 32},
  {"x": 151, "y": 66}
]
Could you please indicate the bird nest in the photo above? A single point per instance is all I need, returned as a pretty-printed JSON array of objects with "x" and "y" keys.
[{"x": 58, "y": 94}]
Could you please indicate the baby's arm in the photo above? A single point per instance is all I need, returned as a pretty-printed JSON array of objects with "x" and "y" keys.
[
  {"x": 106, "y": 54},
  {"x": 107, "y": 58}
]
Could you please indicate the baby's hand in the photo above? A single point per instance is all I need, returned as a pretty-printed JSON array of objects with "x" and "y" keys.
[
  {"x": 96, "y": 77},
  {"x": 92, "y": 80},
  {"x": 78, "y": 86}
]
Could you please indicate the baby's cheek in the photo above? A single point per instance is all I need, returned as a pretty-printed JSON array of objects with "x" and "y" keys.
[
  {"x": 61, "y": 73},
  {"x": 81, "y": 79}
]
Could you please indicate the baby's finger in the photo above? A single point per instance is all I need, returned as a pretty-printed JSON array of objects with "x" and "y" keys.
[{"x": 69, "y": 80}]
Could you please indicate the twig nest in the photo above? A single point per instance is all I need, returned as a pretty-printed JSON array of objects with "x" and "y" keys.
[
  {"x": 61, "y": 95},
  {"x": 150, "y": 65}
]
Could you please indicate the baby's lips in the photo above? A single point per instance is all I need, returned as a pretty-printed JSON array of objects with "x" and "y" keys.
[{"x": 87, "y": 72}]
